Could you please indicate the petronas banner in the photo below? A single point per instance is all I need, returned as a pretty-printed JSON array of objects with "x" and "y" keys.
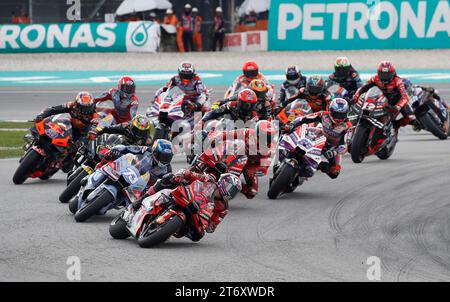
[{"x": 80, "y": 37}]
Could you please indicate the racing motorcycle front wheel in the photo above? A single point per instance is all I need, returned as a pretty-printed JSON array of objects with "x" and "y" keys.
[
  {"x": 153, "y": 233},
  {"x": 26, "y": 165},
  {"x": 118, "y": 228},
  {"x": 283, "y": 178},
  {"x": 104, "y": 198}
]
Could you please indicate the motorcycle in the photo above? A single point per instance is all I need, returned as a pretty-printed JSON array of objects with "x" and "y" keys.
[
  {"x": 166, "y": 213},
  {"x": 292, "y": 111},
  {"x": 168, "y": 108},
  {"x": 46, "y": 148},
  {"x": 87, "y": 159},
  {"x": 374, "y": 132},
  {"x": 112, "y": 186},
  {"x": 431, "y": 114},
  {"x": 302, "y": 150}
]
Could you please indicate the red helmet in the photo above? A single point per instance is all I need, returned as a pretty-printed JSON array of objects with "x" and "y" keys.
[
  {"x": 127, "y": 85},
  {"x": 246, "y": 101},
  {"x": 250, "y": 69},
  {"x": 386, "y": 72}
]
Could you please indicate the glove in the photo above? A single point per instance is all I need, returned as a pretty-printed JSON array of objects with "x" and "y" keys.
[
  {"x": 92, "y": 134},
  {"x": 113, "y": 154},
  {"x": 39, "y": 118},
  {"x": 329, "y": 154},
  {"x": 167, "y": 179},
  {"x": 181, "y": 175},
  {"x": 289, "y": 128}
]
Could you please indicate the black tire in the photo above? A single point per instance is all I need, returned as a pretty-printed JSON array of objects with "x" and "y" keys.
[
  {"x": 26, "y": 166},
  {"x": 73, "y": 187},
  {"x": 118, "y": 228},
  {"x": 104, "y": 198},
  {"x": 430, "y": 124},
  {"x": 384, "y": 153},
  {"x": 359, "y": 143},
  {"x": 284, "y": 177},
  {"x": 73, "y": 204},
  {"x": 162, "y": 233}
]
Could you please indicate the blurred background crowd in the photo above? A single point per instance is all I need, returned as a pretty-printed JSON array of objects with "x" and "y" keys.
[{"x": 191, "y": 25}]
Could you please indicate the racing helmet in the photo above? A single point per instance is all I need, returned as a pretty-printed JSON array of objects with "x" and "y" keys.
[
  {"x": 250, "y": 70},
  {"x": 229, "y": 186},
  {"x": 338, "y": 109},
  {"x": 315, "y": 85},
  {"x": 162, "y": 152},
  {"x": 246, "y": 101},
  {"x": 342, "y": 67},
  {"x": 266, "y": 135},
  {"x": 293, "y": 75},
  {"x": 84, "y": 103},
  {"x": 386, "y": 72},
  {"x": 186, "y": 71},
  {"x": 140, "y": 126},
  {"x": 260, "y": 88},
  {"x": 127, "y": 85}
]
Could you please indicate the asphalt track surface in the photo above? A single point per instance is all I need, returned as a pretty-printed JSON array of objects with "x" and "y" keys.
[{"x": 397, "y": 210}]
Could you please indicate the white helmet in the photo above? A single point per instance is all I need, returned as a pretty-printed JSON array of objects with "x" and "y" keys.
[
  {"x": 187, "y": 6},
  {"x": 195, "y": 10},
  {"x": 169, "y": 11},
  {"x": 219, "y": 9}
]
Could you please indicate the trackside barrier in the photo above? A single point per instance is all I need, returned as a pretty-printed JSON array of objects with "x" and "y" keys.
[
  {"x": 359, "y": 24},
  {"x": 80, "y": 37},
  {"x": 246, "y": 41}
]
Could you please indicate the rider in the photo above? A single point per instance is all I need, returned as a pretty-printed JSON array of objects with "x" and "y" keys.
[
  {"x": 265, "y": 105},
  {"x": 82, "y": 114},
  {"x": 315, "y": 93},
  {"x": 214, "y": 207},
  {"x": 157, "y": 158},
  {"x": 191, "y": 84},
  {"x": 335, "y": 125},
  {"x": 345, "y": 75},
  {"x": 241, "y": 109},
  {"x": 294, "y": 78},
  {"x": 124, "y": 99},
  {"x": 259, "y": 145},
  {"x": 250, "y": 72},
  {"x": 136, "y": 132},
  {"x": 394, "y": 90}
]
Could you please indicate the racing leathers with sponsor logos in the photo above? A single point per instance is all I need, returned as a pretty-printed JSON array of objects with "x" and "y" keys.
[{"x": 335, "y": 134}]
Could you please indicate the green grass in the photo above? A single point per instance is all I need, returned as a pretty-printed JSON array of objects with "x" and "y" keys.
[
  {"x": 15, "y": 125},
  {"x": 12, "y": 139},
  {"x": 11, "y": 153}
]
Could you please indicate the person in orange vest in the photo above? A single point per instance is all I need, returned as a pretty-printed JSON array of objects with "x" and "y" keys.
[
  {"x": 187, "y": 22},
  {"x": 197, "y": 29},
  {"x": 171, "y": 19}
]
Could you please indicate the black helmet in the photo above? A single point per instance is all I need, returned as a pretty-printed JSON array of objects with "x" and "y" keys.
[
  {"x": 315, "y": 85},
  {"x": 293, "y": 74},
  {"x": 342, "y": 68}
]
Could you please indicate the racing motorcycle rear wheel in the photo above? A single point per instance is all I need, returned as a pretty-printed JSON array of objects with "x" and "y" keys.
[
  {"x": 430, "y": 124},
  {"x": 284, "y": 177},
  {"x": 153, "y": 234},
  {"x": 25, "y": 167},
  {"x": 104, "y": 198}
]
